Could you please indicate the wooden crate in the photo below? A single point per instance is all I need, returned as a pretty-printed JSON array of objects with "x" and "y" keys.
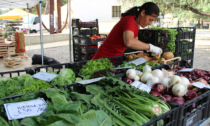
[{"x": 12, "y": 61}]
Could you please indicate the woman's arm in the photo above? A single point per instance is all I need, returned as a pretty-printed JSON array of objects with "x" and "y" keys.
[{"x": 134, "y": 43}]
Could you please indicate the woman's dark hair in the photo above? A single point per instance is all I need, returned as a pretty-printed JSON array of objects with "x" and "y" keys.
[{"x": 149, "y": 7}]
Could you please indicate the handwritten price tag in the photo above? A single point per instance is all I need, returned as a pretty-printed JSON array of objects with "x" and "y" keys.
[
  {"x": 90, "y": 80},
  {"x": 24, "y": 109},
  {"x": 141, "y": 86},
  {"x": 45, "y": 76},
  {"x": 186, "y": 70},
  {"x": 200, "y": 85},
  {"x": 138, "y": 61}
]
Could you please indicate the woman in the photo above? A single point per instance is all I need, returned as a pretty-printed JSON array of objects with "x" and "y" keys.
[{"x": 125, "y": 32}]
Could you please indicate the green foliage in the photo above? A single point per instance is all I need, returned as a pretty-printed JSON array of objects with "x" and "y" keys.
[
  {"x": 65, "y": 76},
  {"x": 26, "y": 83},
  {"x": 139, "y": 67},
  {"x": 94, "y": 65}
]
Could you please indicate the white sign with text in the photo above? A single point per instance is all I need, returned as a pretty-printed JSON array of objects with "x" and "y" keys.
[
  {"x": 45, "y": 76},
  {"x": 138, "y": 61},
  {"x": 19, "y": 110}
]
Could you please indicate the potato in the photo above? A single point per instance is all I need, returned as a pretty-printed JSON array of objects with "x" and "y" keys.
[
  {"x": 145, "y": 54},
  {"x": 156, "y": 57},
  {"x": 161, "y": 60},
  {"x": 141, "y": 54},
  {"x": 154, "y": 61},
  {"x": 168, "y": 55},
  {"x": 129, "y": 57},
  {"x": 147, "y": 58}
]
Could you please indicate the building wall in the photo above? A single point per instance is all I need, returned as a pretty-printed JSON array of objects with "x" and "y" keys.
[{"x": 87, "y": 10}]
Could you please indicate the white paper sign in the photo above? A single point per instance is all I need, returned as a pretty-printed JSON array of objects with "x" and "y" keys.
[
  {"x": 200, "y": 85},
  {"x": 142, "y": 86},
  {"x": 45, "y": 76},
  {"x": 186, "y": 70},
  {"x": 90, "y": 80},
  {"x": 138, "y": 61},
  {"x": 24, "y": 109}
]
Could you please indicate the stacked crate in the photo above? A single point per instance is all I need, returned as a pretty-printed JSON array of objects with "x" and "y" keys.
[
  {"x": 12, "y": 47},
  {"x": 185, "y": 43},
  {"x": 85, "y": 39},
  {"x": 3, "y": 46},
  {"x": 157, "y": 37}
]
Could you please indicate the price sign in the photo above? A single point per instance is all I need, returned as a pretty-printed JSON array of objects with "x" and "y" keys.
[
  {"x": 186, "y": 70},
  {"x": 24, "y": 109},
  {"x": 84, "y": 82},
  {"x": 200, "y": 85},
  {"x": 142, "y": 86},
  {"x": 45, "y": 76},
  {"x": 138, "y": 61}
]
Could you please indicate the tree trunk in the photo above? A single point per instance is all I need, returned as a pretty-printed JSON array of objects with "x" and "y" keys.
[{"x": 47, "y": 7}]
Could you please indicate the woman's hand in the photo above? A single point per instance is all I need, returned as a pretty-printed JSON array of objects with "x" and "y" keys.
[{"x": 156, "y": 50}]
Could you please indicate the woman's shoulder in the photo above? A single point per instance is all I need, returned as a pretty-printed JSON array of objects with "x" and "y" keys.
[{"x": 128, "y": 18}]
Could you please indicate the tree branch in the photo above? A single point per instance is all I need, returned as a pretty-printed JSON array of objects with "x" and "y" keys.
[{"x": 196, "y": 11}]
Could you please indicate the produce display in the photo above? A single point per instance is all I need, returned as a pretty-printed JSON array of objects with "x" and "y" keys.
[
  {"x": 165, "y": 84},
  {"x": 95, "y": 65},
  {"x": 26, "y": 83},
  {"x": 108, "y": 102},
  {"x": 105, "y": 72},
  {"x": 155, "y": 59},
  {"x": 139, "y": 67},
  {"x": 117, "y": 99}
]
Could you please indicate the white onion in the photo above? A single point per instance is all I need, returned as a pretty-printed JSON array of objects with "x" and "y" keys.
[
  {"x": 185, "y": 81},
  {"x": 147, "y": 68},
  {"x": 179, "y": 90},
  {"x": 136, "y": 78},
  {"x": 139, "y": 73},
  {"x": 165, "y": 81},
  {"x": 171, "y": 73},
  {"x": 175, "y": 79},
  {"x": 165, "y": 73},
  {"x": 158, "y": 73},
  {"x": 145, "y": 77},
  {"x": 131, "y": 73},
  {"x": 151, "y": 81}
]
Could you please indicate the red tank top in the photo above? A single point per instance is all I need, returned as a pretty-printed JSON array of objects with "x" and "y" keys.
[{"x": 114, "y": 45}]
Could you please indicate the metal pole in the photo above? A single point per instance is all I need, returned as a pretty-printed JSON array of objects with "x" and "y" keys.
[
  {"x": 70, "y": 44},
  {"x": 41, "y": 34},
  {"x": 28, "y": 32}
]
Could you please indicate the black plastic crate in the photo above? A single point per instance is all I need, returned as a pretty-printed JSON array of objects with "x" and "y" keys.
[
  {"x": 181, "y": 63},
  {"x": 87, "y": 41},
  {"x": 185, "y": 45},
  {"x": 79, "y": 24},
  {"x": 157, "y": 37},
  {"x": 195, "y": 110},
  {"x": 85, "y": 49},
  {"x": 55, "y": 68},
  {"x": 84, "y": 40},
  {"x": 188, "y": 57},
  {"x": 167, "y": 119},
  {"x": 84, "y": 32},
  {"x": 13, "y": 73},
  {"x": 186, "y": 32},
  {"x": 81, "y": 57}
]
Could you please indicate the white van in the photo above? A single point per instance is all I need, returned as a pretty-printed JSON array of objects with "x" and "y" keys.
[{"x": 32, "y": 23}]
